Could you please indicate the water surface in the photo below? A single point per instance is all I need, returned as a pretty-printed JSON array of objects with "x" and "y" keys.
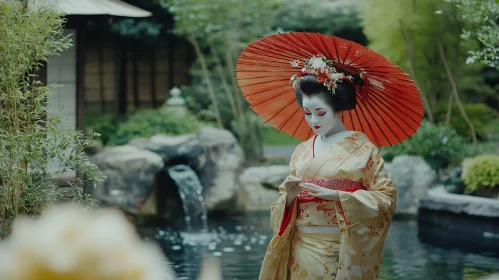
[{"x": 241, "y": 241}]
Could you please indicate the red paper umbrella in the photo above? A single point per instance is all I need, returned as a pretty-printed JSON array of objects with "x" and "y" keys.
[{"x": 388, "y": 111}]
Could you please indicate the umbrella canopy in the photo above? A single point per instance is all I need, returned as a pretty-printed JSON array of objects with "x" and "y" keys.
[
  {"x": 93, "y": 7},
  {"x": 388, "y": 111}
]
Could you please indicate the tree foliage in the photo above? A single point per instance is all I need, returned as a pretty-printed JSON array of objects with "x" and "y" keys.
[
  {"x": 219, "y": 30},
  {"x": 339, "y": 17},
  {"x": 482, "y": 18}
]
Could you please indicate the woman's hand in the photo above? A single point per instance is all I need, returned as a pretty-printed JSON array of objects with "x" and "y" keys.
[
  {"x": 293, "y": 189},
  {"x": 320, "y": 192}
]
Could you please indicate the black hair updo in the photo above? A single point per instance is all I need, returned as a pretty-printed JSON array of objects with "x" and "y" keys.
[{"x": 343, "y": 99}]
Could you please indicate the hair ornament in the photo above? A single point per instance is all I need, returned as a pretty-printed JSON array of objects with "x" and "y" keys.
[
  {"x": 326, "y": 74},
  {"x": 322, "y": 68}
]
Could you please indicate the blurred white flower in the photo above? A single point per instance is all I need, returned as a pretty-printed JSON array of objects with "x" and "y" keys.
[
  {"x": 317, "y": 62},
  {"x": 336, "y": 76},
  {"x": 67, "y": 242},
  {"x": 295, "y": 63}
]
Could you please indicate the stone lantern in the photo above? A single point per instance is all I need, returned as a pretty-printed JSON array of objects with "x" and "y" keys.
[{"x": 176, "y": 102}]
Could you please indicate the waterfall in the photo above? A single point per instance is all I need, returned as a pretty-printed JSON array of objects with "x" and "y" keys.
[{"x": 191, "y": 193}]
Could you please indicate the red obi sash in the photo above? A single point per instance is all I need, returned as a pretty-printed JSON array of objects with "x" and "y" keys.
[{"x": 344, "y": 185}]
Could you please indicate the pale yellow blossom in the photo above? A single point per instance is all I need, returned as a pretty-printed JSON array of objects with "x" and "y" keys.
[{"x": 68, "y": 243}]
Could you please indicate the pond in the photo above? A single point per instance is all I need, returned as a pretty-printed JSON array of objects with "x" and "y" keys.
[{"x": 241, "y": 241}]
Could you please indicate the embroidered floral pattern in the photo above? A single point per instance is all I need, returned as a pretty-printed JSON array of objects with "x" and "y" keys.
[
  {"x": 372, "y": 231},
  {"x": 302, "y": 212}
]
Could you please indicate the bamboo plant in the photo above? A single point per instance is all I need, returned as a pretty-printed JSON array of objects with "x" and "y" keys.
[{"x": 31, "y": 135}]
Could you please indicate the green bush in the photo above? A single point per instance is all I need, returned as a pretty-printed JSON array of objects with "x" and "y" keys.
[
  {"x": 146, "y": 123},
  {"x": 479, "y": 114},
  {"x": 105, "y": 125},
  {"x": 437, "y": 144},
  {"x": 482, "y": 172}
]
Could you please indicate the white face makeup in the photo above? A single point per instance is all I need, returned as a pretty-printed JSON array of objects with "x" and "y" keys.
[{"x": 319, "y": 115}]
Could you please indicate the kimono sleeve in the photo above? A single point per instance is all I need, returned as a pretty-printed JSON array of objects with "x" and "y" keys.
[
  {"x": 280, "y": 217},
  {"x": 379, "y": 200}
]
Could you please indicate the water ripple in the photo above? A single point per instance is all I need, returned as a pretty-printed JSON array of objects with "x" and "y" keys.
[{"x": 240, "y": 242}]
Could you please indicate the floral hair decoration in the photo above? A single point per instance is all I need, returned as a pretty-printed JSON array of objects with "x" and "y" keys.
[{"x": 326, "y": 74}]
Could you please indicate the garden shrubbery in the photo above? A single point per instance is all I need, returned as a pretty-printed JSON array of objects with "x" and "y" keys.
[
  {"x": 146, "y": 123},
  {"x": 105, "y": 125},
  {"x": 437, "y": 144},
  {"x": 482, "y": 174}
]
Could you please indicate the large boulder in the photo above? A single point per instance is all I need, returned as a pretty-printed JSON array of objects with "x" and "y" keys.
[
  {"x": 259, "y": 187},
  {"x": 140, "y": 169},
  {"x": 412, "y": 177},
  {"x": 219, "y": 168},
  {"x": 183, "y": 149},
  {"x": 438, "y": 199},
  {"x": 130, "y": 172}
]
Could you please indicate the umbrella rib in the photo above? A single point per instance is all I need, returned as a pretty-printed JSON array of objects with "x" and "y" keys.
[
  {"x": 292, "y": 55},
  {"x": 286, "y": 122},
  {"x": 259, "y": 83},
  {"x": 357, "y": 114},
  {"x": 242, "y": 61},
  {"x": 377, "y": 124},
  {"x": 348, "y": 52},
  {"x": 312, "y": 42},
  {"x": 400, "y": 94},
  {"x": 306, "y": 43},
  {"x": 401, "y": 119},
  {"x": 269, "y": 71},
  {"x": 388, "y": 78},
  {"x": 286, "y": 44},
  {"x": 375, "y": 104},
  {"x": 361, "y": 115},
  {"x": 366, "y": 62},
  {"x": 265, "y": 49},
  {"x": 278, "y": 112},
  {"x": 405, "y": 106},
  {"x": 298, "y": 46},
  {"x": 378, "y": 143},
  {"x": 263, "y": 91},
  {"x": 392, "y": 106},
  {"x": 401, "y": 97},
  {"x": 294, "y": 132},
  {"x": 360, "y": 56},
  {"x": 270, "y": 98},
  {"x": 257, "y": 50},
  {"x": 261, "y": 77},
  {"x": 251, "y": 55},
  {"x": 390, "y": 84},
  {"x": 325, "y": 47},
  {"x": 336, "y": 49}
]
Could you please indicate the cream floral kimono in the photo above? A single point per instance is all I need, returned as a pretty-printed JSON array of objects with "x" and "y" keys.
[{"x": 367, "y": 200}]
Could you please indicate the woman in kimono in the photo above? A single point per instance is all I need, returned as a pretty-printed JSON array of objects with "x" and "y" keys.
[{"x": 335, "y": 208}]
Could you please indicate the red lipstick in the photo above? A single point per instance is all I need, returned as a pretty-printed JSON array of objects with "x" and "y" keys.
[{"x": 317, "y": 127}]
